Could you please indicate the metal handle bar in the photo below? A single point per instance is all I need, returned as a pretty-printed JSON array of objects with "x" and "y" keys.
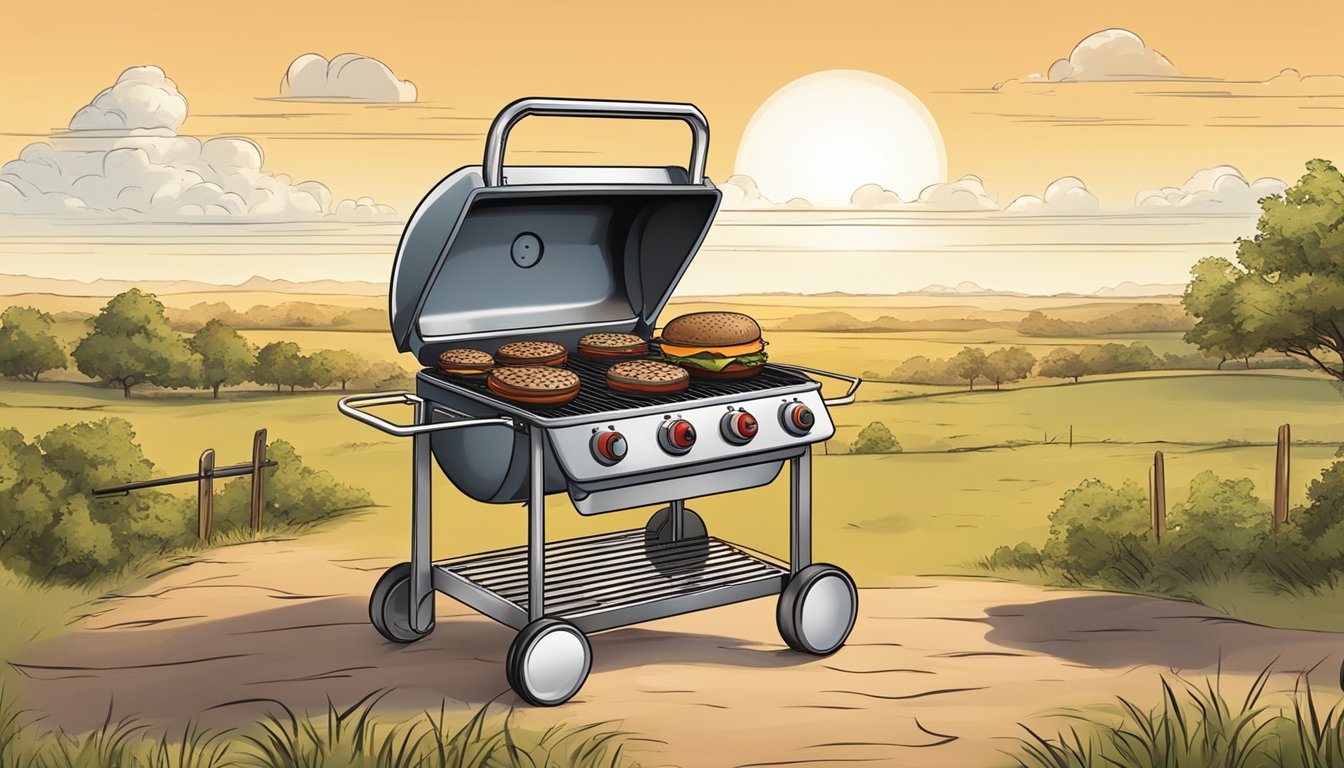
[
  {"x": 493, "y": 164},
  {"x": 848, "y": 397},
  {"x": 353, "y": 406}
]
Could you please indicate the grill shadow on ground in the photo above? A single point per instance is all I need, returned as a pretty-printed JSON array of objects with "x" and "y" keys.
[
  {"x": 304, "y": 652},
  {"x": 1110, "y": 631}
]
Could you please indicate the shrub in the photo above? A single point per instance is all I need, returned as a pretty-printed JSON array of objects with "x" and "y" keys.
[
  {"x": 296, "y": 493},
  {"x": 27, "y": 347},
  {"x": 50, "y": 525},
  {"x": 876, "y": 438}
]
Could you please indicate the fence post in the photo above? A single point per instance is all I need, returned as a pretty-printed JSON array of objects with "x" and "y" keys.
[
  {"x": 258, "y": 478},
  {"x": 1158, "y": 495},
  {"x": 205, "y": 495},
  {"x": 1281, "y": 478}
]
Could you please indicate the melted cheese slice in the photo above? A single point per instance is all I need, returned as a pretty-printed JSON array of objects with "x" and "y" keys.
[{"x": 733, "y": 351}]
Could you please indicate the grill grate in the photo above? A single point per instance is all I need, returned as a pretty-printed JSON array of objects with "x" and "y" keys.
[{"x": 596, "y": 398}]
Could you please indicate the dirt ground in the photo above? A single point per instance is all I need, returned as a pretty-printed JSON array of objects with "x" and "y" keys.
[{"x": 938, "y": 672}]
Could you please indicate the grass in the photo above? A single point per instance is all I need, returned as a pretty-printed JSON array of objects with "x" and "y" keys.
[
  {"x": 1195, "y": 725},
  {"x": 350, "y": 737}
]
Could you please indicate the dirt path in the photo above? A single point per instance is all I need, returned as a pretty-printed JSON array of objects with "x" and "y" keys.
[{"x": 938, "y": 672}]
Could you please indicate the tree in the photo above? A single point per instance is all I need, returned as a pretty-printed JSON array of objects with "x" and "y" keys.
[
  {"x": 876, "y": 438},
  {"x": 130, "y": 342},
  {"x": 27, "y": 347},
  {"x": 328, "y": 366},
  {"x": 1008, "y": 365},
  {"x": 1210, "y": 297},
  {"x": 226, "y": 357},
  {"x": 968, "y": 365},
  {"x": 1286, "y": 292},
  {"x": 1064, "y": 363},
  {"x": 1118, "y": 358},
  {"x": 1037, "y": 323},
  {"x": 282, "y": 363}
]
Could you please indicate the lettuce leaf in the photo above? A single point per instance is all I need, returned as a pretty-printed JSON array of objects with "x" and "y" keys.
[{"x": 715, "y": 362}]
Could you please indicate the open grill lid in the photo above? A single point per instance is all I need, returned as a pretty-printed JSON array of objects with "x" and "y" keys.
[{"x": 495, "y": 254}]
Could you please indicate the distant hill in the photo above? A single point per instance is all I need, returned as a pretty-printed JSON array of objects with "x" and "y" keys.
[
  {"x": 1129, "y": 289},
  {"x": 15, "y": 284}
]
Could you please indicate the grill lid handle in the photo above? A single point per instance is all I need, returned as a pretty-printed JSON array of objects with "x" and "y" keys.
[{"x": 493, "y": 164}]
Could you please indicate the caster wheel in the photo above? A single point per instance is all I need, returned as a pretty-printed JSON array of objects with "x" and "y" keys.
[
  {"x": 548, "y": 662},
  {"x": 659, "y": 527},
  {"x": 817, "y": 609},
  {"x": 390, "y": 606}
]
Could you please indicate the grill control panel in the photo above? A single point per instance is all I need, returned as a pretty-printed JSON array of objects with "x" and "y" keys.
[{"x": 690, "y": 435}]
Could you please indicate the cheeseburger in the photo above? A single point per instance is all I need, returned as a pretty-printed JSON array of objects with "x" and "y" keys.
[
  {"x": 721, "y": 345},
  {"x": 607, "y": 346},
  {"x": 466, "y": 363}
]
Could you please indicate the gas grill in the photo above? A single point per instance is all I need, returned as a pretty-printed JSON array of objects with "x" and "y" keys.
[{"x": 495, "y": 254}]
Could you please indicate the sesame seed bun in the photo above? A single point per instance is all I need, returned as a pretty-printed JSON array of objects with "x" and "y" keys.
[{"x": 711, "y": 329}]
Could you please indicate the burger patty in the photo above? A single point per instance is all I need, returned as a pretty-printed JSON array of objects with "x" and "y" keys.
[
  {"x": 536, "y": 384},
  {"x": 606, "y": 345},
  {"x": 649, "y": 376},
  {"x": 531, "y": 353}
]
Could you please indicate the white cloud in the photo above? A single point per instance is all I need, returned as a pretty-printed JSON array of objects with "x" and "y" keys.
[
  {"x": 965, "y": 194},
  {"x": 349, "y": 76},
  {"x": 740, "y": 191},
  {"x": 874, "y": 196},
  {"x": 122, "y": 156},
  {"x": 1066, "y": 195},
  {"x": 1112, "y": 54},
  {"x": 1221, "y": 189}
]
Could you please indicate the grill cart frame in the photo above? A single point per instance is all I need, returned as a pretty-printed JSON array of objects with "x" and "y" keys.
[{"x": 556, "y": 592}]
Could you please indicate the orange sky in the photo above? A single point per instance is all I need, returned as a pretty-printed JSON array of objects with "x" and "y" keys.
[{"x": 726, "y": 57}]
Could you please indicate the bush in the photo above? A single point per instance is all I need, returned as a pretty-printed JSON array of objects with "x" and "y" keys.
[
  {"x": 51, "y": 527},
  {"x": 296, "y": 494},
  {"x": 876, "y": 438}
]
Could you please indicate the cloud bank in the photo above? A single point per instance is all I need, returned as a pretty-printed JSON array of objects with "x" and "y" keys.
[
  {"x": 122, "y": 156},
  {"x": 1112, "y": 54},
  {"x": 1221, "y": 189},
  {"x": 349, "y": 76}
]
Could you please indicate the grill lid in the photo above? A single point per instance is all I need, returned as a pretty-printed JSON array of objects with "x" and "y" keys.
[{"x": 494, "y": 254}]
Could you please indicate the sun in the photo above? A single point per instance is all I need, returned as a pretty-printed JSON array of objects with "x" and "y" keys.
[{"x": 825, "y": 135}]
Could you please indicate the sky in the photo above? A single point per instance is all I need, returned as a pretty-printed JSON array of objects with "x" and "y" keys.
[{"x": 1200, "y": 92}]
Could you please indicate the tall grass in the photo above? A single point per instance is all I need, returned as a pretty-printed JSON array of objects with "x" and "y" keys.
[
  {"x": 1195, "y": 726},
  {"x": 353, "y": 737}
]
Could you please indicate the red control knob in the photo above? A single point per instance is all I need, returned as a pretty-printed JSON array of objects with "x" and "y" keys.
[
  {"x": 738, "y": 427},
  {"x": 797, "y": 419},
  {"x": 608, "y": 447},
  {"x": 676, "y": 436}
]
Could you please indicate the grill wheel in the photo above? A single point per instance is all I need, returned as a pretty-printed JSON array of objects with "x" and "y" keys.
[{"x": 390, "y": 606}]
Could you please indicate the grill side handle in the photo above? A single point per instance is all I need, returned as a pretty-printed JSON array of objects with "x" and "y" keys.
[
  {"x": 354, "y": 405},
  {"x": 493, "y": 164},
  {"x": 831, "y": 402}
]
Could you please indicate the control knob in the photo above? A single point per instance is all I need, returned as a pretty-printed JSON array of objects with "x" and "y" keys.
[
  {"x": 676, "y": 436},
  {"x": 796, "y": 418},
  {"x": 608, "y": 447},
  {"x": 738, "y": 427}
]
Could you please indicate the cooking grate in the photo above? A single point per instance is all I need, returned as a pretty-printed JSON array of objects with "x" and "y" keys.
[{"x": 596, "y": 398}]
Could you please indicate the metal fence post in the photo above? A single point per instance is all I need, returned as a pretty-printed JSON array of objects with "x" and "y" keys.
[
  {"x": 205, "y": 495},
  {"x": 258, "y": 478}
]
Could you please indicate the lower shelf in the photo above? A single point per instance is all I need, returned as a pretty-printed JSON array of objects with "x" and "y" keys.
[{"x": 611, "y": 580}]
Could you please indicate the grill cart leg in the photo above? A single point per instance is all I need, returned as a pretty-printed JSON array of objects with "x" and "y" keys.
[
  {"x": 536, "y": 528},
  {"x": 800, "y": 511},
  {"x": 819, "y": 605},
  {"x": 422, "y": 578}
]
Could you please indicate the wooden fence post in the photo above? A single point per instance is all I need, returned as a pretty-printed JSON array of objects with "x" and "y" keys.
[
  {"x": 1158, "y": 495},
  {"x": 258, "y": 478},
  {"x": 205, "y": 495},
  {"x": 1281, "y": 478}
]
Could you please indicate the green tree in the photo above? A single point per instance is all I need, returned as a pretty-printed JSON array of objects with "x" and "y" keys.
[
  {"x": 282, "y": 363},
  {"x": 1037, "y": 323},
  {"x": 876, "y": 438},
  {"x": 329, "y": 366},
  {"x": 1118, "y": 358},
  {"x": 1286, "y": 292},
  {"x": 130, "y": 342},
  {"x": 27, "y": 347},
  {"x": 968, "y": 365},
  {"x": 1005, "y": 366},
  {"x": 1064, "y": 363},
  {"x": 226, "y": 357}
]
